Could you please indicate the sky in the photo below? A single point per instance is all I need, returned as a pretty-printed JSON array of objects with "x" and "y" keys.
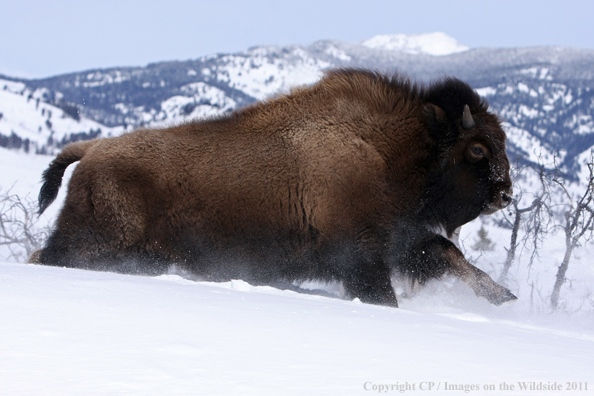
[{"x": 42, "y": 38}]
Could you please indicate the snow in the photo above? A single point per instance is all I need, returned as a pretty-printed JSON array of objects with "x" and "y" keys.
[
  {"x": 28, "y": 116},
  {"x": 203, "y": 99},
  {"x": 523, "y": 87},
  {"x": 99, "y": 78},
  {"x": 429, "y": 43},
  {"x": 198, "y": 100},
  {"x": 21, "y": 172},
  {"x": 534, "y": 149},
  {"x": 486, "y": 91},
  {"x": 261, "y": 72},
  {"x": 338, "y": 53},
  {"x": 536, "y": 72},
  {"x": 73, "y": 332}
]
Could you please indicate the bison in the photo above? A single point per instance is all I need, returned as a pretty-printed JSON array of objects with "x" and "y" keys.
[{"x": 354, "y": 178}]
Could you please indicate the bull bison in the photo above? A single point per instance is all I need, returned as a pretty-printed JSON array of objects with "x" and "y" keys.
[{"x": 350, "y": 179}]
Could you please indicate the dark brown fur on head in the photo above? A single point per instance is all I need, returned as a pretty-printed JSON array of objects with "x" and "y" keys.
[{"x": 345, "y": 180}]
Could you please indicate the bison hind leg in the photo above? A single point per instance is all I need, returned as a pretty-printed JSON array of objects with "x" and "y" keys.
[
  {"x": 133, "y": 264},
  {"x": 83, "y": 249}
]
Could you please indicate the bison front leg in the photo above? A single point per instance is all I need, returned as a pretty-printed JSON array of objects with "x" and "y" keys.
[{"x": 440, "y": 253}]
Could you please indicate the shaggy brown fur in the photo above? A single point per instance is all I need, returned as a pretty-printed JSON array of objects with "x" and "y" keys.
[{"x": 347, "y": 180}]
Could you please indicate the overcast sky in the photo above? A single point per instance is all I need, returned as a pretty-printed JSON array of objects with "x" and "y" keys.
[{"x": 48, "y": 37}]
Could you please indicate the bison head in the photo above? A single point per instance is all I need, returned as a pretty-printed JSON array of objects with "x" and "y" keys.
[{"x": 471, "y": 175}]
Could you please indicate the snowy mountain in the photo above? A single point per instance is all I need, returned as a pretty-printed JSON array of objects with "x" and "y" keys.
[
  {"x": 430, "y": 43},
  {"x": 545, "y": 94},
  {"x": 30, "y": 123}
]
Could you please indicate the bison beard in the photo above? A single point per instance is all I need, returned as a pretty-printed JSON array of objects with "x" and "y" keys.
[{"x": 346, "y": 180}]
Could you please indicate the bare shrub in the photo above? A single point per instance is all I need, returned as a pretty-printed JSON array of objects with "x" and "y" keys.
[
  {"x": 578, "y": 226},
  {"x": 535, "y": 219},
  {"x": 20, "y": 233}
]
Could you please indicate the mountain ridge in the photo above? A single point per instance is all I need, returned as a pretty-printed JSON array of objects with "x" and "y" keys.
[{"x": 545, "y": 94}]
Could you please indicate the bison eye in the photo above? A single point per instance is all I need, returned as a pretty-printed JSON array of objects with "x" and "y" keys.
[{"x": 476, "y": 152}]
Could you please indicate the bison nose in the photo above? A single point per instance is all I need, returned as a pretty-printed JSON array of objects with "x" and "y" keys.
[{"x": 506, "y": 199}]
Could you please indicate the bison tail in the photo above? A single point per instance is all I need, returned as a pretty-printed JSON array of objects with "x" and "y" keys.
[{"x": 52, "y": 176}]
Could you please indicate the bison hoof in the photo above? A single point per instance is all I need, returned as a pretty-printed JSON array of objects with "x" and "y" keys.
[
  {"x": 505, "y": 298},
  {"x": 500, "y": 297},
  {"x": 493, "y": 292}
]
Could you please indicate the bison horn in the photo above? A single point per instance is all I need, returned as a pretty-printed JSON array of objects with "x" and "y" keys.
[{"x": 467, "y": 120}]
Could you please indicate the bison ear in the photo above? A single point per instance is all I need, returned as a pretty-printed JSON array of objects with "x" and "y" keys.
[{"x": 438, "y": 125}]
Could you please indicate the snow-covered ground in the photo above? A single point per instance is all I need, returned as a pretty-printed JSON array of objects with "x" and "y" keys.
[
  {"x": 74, "y": 332},
  {"x": 66, "y": 331}
]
